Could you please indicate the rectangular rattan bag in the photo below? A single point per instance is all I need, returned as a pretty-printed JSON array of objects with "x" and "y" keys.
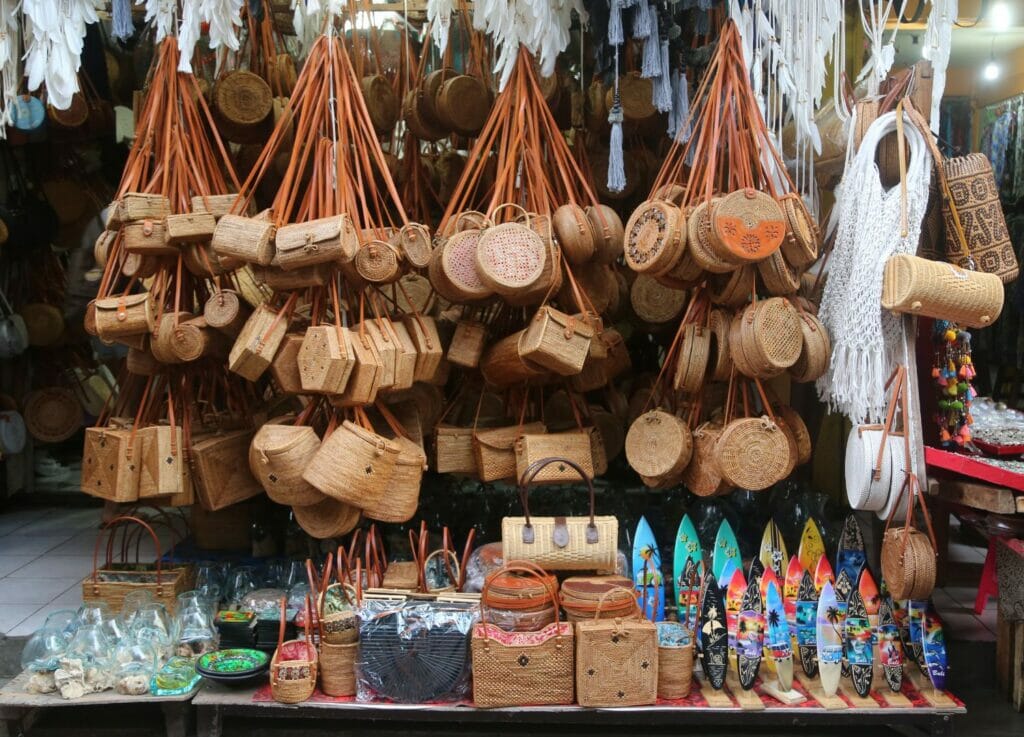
[{"x": 616, "y": 662}]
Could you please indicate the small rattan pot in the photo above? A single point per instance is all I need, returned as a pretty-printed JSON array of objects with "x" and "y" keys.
[
  {"x": 675, "y": 671},
  {"x": 337, "y": 668}
]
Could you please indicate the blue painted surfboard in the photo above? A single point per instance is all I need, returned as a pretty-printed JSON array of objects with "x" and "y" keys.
[{"x": 647, "y": 577}]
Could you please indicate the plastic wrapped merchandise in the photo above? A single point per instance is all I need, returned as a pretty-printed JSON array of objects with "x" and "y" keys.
[
  {"x": 263, "y": 600},
  {"x": 414, "y": 652},
  {"x": 484, "y": 561}
]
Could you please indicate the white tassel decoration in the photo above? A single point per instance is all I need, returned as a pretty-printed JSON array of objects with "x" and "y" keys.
[
  {"x": 651, "y": 66},
  {"x": 616, "y": 166},
  {"x": 615, "y": 35},
  {"x": 123, "y": 28},
  {"x": 642, "y": 21},
  {"x": 662, "y": 95}
]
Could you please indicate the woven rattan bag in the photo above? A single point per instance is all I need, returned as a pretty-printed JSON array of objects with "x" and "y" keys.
[
  {"x": 659, "y": 445},
  {"x": 616, "y": 662},
  {"x": 908, "y": 554},
  {"x": 557, "y": 341},
  {"x": 280, "y": 453},
  {"x": 295, "y": 665},
  {"x": 353, "y": 464},
  {"x": 522, "y": 668},
  {"x": 941, "y": 290},
  {"x": 495, "y": 449},
  {"x": 574, "y": 445},
  {"x": 560, "y": 543}
]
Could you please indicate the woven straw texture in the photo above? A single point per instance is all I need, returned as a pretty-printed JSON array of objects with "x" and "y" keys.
[
  {"x": 698, "y": 230},
  {"x": 577, "y": 555},
  {"x": 378, "y": 262},
  {"x": 658, "y": 444},
  {"x": 752, "y": 453},
  {"x": 575, "y": 445},
  {"x": 327, "y": 518},
  {"x": 816, "y": 351},
  {"x": 280, "y": 454},
  {"x": 653, "y": 237},
  {"x": 243, "y": 98},
  {"x": 797, "y": 426},
  {"x": 326, "y": 359},
  {"x": 111, "y": 464},
  {"x": 556, "y": 341},
  {"x": 495, "y": 450},
  {"x": 337, "y": 668},
  {"x": 127, "y": 315},
  {"x": 220, "y": 469},
  {"x": 510, "y": 258},
  {"x": 522, "y": 668},
  {"x": 399, "y": 502},
  {"x": 675, "y": 671},
  {"x": 454, "y": 450},
  {"x": 732, "y": 289},
  {"x": 655, "y": 303},
  {"x": 720, "y": 364},
  {"x": 256, "y": 345},
  {"x": 946, "y": 292},
  {"x": 801, "y": 244},
  {"x": 467, "y": 344},
  {"x": 973, "y": 189},
  {"x": 353, "y": 465},
  {"x": 616, "y": 662},
  {"x": 747, "y": 225},
  {"x": 609, "y": 233},
  {"x": 909, "y": 574},
  {"x": 285, "y": 366},
  {"x": 581, "y": 595},
  {"x": 293, "y": 681},
  {"x": 414, "y": 240},
  {"x": 692, "y": 362},
  {"x": 702, "y": 476},
  {"x": 574, "y": 232},
  {"x": 778, "y": 276},
  {"x": 458, "y": 265},
  {"x": 52, "y": 415},
  {"x": 771, "y": 336}
]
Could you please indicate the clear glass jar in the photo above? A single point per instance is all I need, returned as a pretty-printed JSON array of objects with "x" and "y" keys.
[
  {"x": 135, "y": 665},
  {"x": 44, "y": 649}
]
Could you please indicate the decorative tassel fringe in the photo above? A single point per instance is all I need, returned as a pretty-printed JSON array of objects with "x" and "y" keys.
[
  {"x": 615, "y": 34},
  {"x": 616, "y": 167},
  {"x": 663, "y": 84},
  {"x": 681, "y": 103},
  {"x": 651, "y": 66},
  {"x": 642, "y": 21},
  {"x": 123, "y": 28}
]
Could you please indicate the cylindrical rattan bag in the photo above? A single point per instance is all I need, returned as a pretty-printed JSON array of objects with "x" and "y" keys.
[
  {"x": 937, "y": 289},
  {"x": 353, "y": 465}
]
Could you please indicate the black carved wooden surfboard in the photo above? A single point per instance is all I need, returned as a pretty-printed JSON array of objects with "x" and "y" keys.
[
  {"x": 714, "y": 636},
  {"x": 857, "y": 640},
  {"x": 806, "y": 632},
  {"x": 750, "y": 635}
]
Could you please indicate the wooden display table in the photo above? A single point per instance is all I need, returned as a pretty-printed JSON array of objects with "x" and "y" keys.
[
  {"x": 19, "y": 708},
  {"x": 926, "y": 709}
]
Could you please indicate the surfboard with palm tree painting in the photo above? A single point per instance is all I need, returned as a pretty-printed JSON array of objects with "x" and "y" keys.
[
  {"x": 843, "y": 587},
  {"x": 829, "y": 639},
  {"x": 773, "y": 550},
  {"x": 851, "y": 555},
  {"x": 647, "y": 579},
  {"x": 915, "y": 619},
  {"x": 890, "y": 649},
  {"x": 823, "y": 573},
  {"x": 806, "y": 628},
  {"x": 764, "y": 579},
  {"x": 812, "y": 547},
  {"x": 791, "y": 591},
  {"x": 714, "y": 636},
  {"x": 750, "y": 635},
  {"x": 857, "y": 643},
  {"x": 934, "y": 646},
  {"x": 687, "y": 559},
  {"x": 726, "y": 549},
  {"x": 778, "y": 642},
  {"x": 734, "y": 594}
]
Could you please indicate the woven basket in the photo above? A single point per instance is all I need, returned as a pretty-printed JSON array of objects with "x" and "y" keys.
[
  {"x": 468, "y": 343},
  {"x": 654, "y": 237},
  {"x": 687, "y": 273},
  {"x": 416, "y": 120},
  {"x": 909, "y": 573},
  {"x": 367, "y": 371},
  {"x": 747, "y": 225},
  {"x": 796, "y": 425},
  {"x": 771, "y": 337},
  {"x": 675, "y": 671},
  {"x": 659, "y": 445},
  {"x": 285, "y": 366},
  {"x": 378, "y": 262},
  {"x": 698, "y": 239},
  {"x": 580, "y": 595},
  {"x": 381, "y": 102},
  {"x": 655, "y": 303},
  {"x": 616, "y": 662},
  {"x": 453, "y": 268},
  {"x": 247, "y": 239},
  {"x": 415, "y": 244},
  {"x": 244, "y": 102},
  {"x": 257, "y": 343},
  {"x": 401, "y": 574},
  {"x": 504, "y": 365},
  {"x": 609, "y": 233},
  {"x": 494, "y": 450},
  {"x": 353, "y": 465},
  {"x": 111, "y": 464},
  {"x": 141, "y": 362},
  {"x": 454, "y": 450},
  {"x": 147, "y": 238},
  {"x": 337, "y": 668},
  {"x": 462, "y": 104},
  {"x": 399, "y": 502},
  {"x": 293, "y": 679},
  {"x": 752, "y": 453},
  {"x": 635, "y": 96},
  {"x": 693, "y": 358},
  {"x": 128, "y": 315},
  {"x": 940, "y": 290},
  {"x": 575, "y": 233},
  {"x": 510, "y": 258},
  {"x": 137, "y": 266},
  {"x": 327, "y": 518},
  {"x": 802, "y": 235},
  {"x": 732, "y": 289},
  {"x": 52, "y": 415},
  {"x": 778, "y": 276},
  {"x": 280, "y": 454},
  {"x": 574, "y": 445},
  {"x": 816, "y": 351},
  {"x": 556, "y": 341},
  {"x": 220, "y": 469},
  {"x": 324, "y": 240},
  {"x": 720, "y": 364},
  {"x": 702, "y": 476},
  {"x": 325, "y": 359},
  {"x": 227, "y": 312}
]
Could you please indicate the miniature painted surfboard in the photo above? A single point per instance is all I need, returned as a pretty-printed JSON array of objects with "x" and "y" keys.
[
  {"x": 750, "y": 635},
  {"x": 714, "y": 637},
  {"x": 843, "y": 587},
  {"x": 812, "y": 547},
  {"x": 689, "y": 588},
  {"x": 806, "y": 631},
  {"x": 687, "y": 558},
  {"x": 822, "y": 573},
  {"x": 915, "y": 619},
  {"x": 647, "y": 578},
  {"x": 726, "y": 549},
  {"x": 851, "y": 556},
  {"x": 755, "y": 571},
  {"x": 726, "y": 578},
  {"x": 890, "y": 649},
  {"x": 830, "y": 642},
  {"x": 791, "y": 591},
  {"x": 763, "y": 577},
  {"x": 869, "y": 593},
  {"x": 734, "y": 605},
  {"x": 777, "y": 639},
  {"x": 934, "y": 646},
  {"x": 773, "y": 550},
  {"x": 857, "y": 642},
  {"x": 766, "y": 578}
]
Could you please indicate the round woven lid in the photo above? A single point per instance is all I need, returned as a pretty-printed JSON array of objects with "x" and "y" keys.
[
  {"x": 243, "y": 98},
  {"x": 658, "y": 444},
  {"x": 698, "y": 238},
  {"x": 137, "y": 266},
  {"x": 720, "y": 362},
  {"x": 222, "y": 308},
  {"x": 53, "y": 414},
  {"x": 510, "y": 257},
  {"x": 414, "y": 240},
  {"x": 752, "y": 453},
  {"x": 378, "y": 262},
  {"x": 416, "y": 120},
  {"x": 779, "y": 277},
  {"x": 772, "y": 337},
  {"x": 652, "y": 237},
  {"x": 692, "y": 364},
  {"x": 463, "y": 103},
  {"x": 816, "y": 351},
  {"x": 459, "y": 264},
  {"x": 748, "y": 224},
  {"x": 802, "y": 235},
  {"x": 512, "y": 590},
  {"x": 702, "y": 476},
  {"x": 188, "y": 342},
  {"x": 655, "y": 303}
]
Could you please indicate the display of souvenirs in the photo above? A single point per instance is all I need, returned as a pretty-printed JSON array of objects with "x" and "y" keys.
[{"x": 952, "y": 374}]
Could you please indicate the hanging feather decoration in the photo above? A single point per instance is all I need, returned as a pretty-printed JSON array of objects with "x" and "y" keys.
[
  {"x": 122, "y": 26},
  {"x": 937, "y": 44},
  {"x": 54, "y": 38},
  {"x": 10, "y": 58},
  {"x": 439, "y": 16}
]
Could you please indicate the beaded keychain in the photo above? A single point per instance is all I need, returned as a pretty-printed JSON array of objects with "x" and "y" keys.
[{"x": 952, "y": 372}]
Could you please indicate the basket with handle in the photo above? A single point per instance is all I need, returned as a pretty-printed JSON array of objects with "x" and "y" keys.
[
  {"x": 295, "y": 664},
  {"x": 510, "y": 256},
  {"x": 110, "y": 585},
  {"x": 917, "y": 286},
  {"x": 560, "y": 543},
  {"x": 259, "y": 339},
  {"x": 280, "y": 453},
  {"x": 522, "y": 668},
  {"x": 752, "y": 452}
]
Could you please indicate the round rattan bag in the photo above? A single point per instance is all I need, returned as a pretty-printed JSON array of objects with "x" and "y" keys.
[
  {"x": 414, "y": 242},
  {"x": 702, "y": 476},
  {"x": 243, "y": 101},
  {"x": 720, "y": 363},
  {"x": 778, "y": 276},
  {"x": 816, "y": 350},
  {"x": 574, "y": 232},
  {"x": 692, "y": 362},
  {"x": 795, "y": 423},
  {"x": 771, "y": 337},
  {"x": 658, "y": 445},
  {"x": 327, "y": 518},
  {"x": 378, "y": 262},
  {"x": 453, "y": 270},
  {"x": 654, "y": 237},
  {"x": 510, "y": 258},
  {"x": 800, "y": 246},
  {"x": 732, "y": 289},
  {"x": 698, "y": 239},
  {"x": 752, "y": 453},
  {"x": 653, "y": 302},
  {"x": 747, "y": 225},
  {"x": 609, "y": 233},
  {"x": 381, "y": 102},
  {"x": 53, "y": 414}
]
